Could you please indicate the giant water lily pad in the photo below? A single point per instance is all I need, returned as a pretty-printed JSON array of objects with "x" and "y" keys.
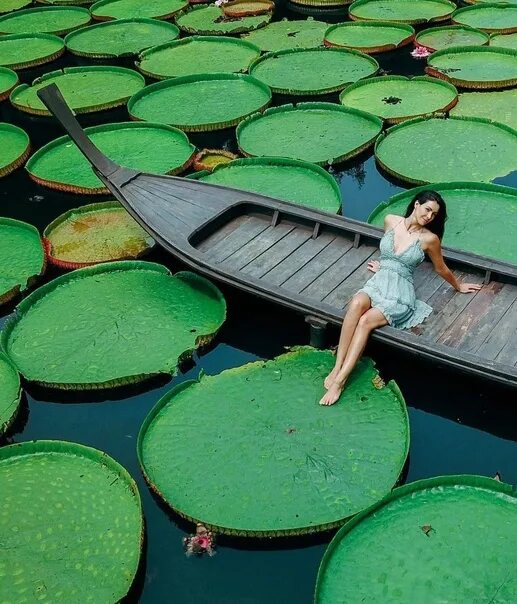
[
  {"x": 14, "y": 148},
  {"x": 123, "y": 37},
  {"x": 285, "y": 34},
  {"x": 10, "y": 394},
  {"x": 477, "y": 149},
  {"x": 18, "y": 51},
  {"x": 369, "y": 37},
  {"x": 210, "y": 20},
  {"x": 312, "y": 71},
  {"x": 8, "y": 80},
  {"x": 396, "y": 98},
  {"x": 475, "y": 66},
  {"x": 111, "y": 324},
  {"x": 288, "y": 179},
  {"x": 320, "y": 133},
  {"x": 403, "y": 11},
  {"x": 496, "y": 106},
  {"x": 299, "y": 468},
  {"x": 23, "y": 257},
  {"x": 475, "y": 212},
  {"x": 46, "y": 20},
  {"x": 198, "y": 54},
  {"x": 438, "y": 38},
  {"x": 130, "y": 9},
  {"x": 145, "y": 147},
  {"x": 98, "y": 232},
  {"x": 500, "y": 18},
  {"x": 444, "y": 539},
  {"x": 7, "y": 6},
  {"x": 504, "y": 40},
  {"x": 201, "y": 102},
  {"x": 72, "y": 526},
  {"x": 85, "y": 89},
  {"x": 64, "y": 2}
]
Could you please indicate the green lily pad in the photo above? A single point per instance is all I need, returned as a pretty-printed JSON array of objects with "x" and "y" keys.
[
  {"x": 111, "y": 324},
  {"x": 475, "y": 66},
  {"x": 320, "y": 133},
  {"x": 19, "y": 51},
  {"x": 10, "y": 394},
  {"x": 72, "y": 527},
  {"x": 475, "y": 212},
  {"x": 499, "y": 18},
  {"x": 397, "y": 98},
  {"x": 489, "y": 2},
  {"x": 402, "y": 11},
  {"x": 211, "y": 21},
  {"x": 504, "y": 40},
  {"x": 299, "y": 468},
  {"x": 98, "y": 232},
  {"x": 285, "y": 34},
  {"x": 56, "y": 20},
  {"x": 85, "y": 89},
  {"x": 312, "y": 71},
  {"x": 438, "y": 38},
  {"x": 477, "y": 149},
  {"x": 131, "y": 9},
  {"x": 444, "y": 539},
  {"x": 146, "y": 147},
  {"x": 496, "y": 106},
  {"x": 23, "y": 257},
  {"x": 8, "y": 81},
  {"x": 369, "y": 37},
  {"x": 291, "y": 180},
  {"x": 15, "y": 148},
  {"x": 120, "y": 38},
  {"x": 201, "y": 102},
  {"x": 7, "y": 6},
  {"x": 197, "y": 54},
  {"x": 64, "y": 2}
]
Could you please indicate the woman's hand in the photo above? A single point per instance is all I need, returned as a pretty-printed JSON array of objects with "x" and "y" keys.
[
  {"x": 374, "y": 266},
  {"x": 468, "y": 288}
]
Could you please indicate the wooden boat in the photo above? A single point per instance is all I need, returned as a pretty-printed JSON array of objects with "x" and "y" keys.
[{"x": 311, "y": 261}]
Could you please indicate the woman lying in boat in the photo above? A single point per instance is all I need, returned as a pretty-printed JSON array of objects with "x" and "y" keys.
[{"x": 389, "y": 296}]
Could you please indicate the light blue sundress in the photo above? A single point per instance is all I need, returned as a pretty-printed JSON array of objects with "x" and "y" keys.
[{"x": 391, "y": 289}]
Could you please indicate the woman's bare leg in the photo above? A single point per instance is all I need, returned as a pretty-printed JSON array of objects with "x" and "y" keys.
[
  {"x": 359, "y": 304},
  {"x": 369, "y": 321}
]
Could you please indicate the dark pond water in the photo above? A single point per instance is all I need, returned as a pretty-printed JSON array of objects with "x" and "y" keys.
[{"x": 458, "y": 424}]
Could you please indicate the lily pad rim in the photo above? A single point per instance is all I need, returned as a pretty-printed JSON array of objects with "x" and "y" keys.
[
  {"x": 215, "y": 32},
  {"x": 4, "y": 94},
  {"x": 478, "y": 7},
  {"x": 6, "y": 425},
  {"x": 410, "y": 30},
  {"x": 40, "y": 60},
  {"x": 100, "y": 3},
  {"x": 475, "y": 481},
  {"x": 60, "y": 32},
  {"x": 454, "y": 27},
  {"x": 444, "y": 17},
  {"x": 22, "y": 158},
  {"x": 27, "y": 3}
]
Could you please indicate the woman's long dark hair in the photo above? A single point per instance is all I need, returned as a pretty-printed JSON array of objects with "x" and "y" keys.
[{"x": 437, "y": 225}]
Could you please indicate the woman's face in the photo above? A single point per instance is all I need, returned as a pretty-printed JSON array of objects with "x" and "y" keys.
[{"x": 426, "y": 212}]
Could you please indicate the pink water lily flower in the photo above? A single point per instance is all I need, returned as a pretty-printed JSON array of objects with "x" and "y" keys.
[{"x": 420, "y": 52}]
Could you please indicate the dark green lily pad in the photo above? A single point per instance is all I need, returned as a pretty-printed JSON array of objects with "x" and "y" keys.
[
  {"x": 444, "y": 539},
  {"x": 131, "y": 9},
  {"x": 312, "y": 71},
  {"x": 496, "y": 18},
  {"x": 8, "y": 81},
  {"x": 10, "y": 394},
  {"x": 111, "y": 324},
  {"x": 504, "y": 40},
  {"x": 198, "y": 54},
  {"x": 320, "y": 133},
  {"x": 120, "y": 38},
  {"x": 23, "y": 257},
  {"x": 438, "y": 38},
  {"x": 15, "y": 148},
  {"x": 146, "y": 147},
  {"x": 291, "y": 180},
  {"x": 475, "y": 212},
  {"x": 369, "y": 37},
  {"x": 397, "y": 98},
  {"x": 402, "y": 11},
  {"x": 94, "y": 233},
  {"x": 19, "y": 51},
  {"x": 56, "y": 20},
  {"x": 477, "y": 149},
  {"x": 476, "y": 67},
  {"x": 7, "y": 6},
  {"x": 210, "y": 20},
  {"x": 72, "y": 527},
  {"x": 300, "y": 467},
  {"x": 85, "y": 89},
  {"x": 496, "y": 106},
  {"x": 201, "y": 102},
  {"x": 285, "y": 34}
]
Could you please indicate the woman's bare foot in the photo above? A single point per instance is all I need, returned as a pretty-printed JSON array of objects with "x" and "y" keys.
[
  {"x": 331, "y": 377},
  {"x": 332, "y": 395}
]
